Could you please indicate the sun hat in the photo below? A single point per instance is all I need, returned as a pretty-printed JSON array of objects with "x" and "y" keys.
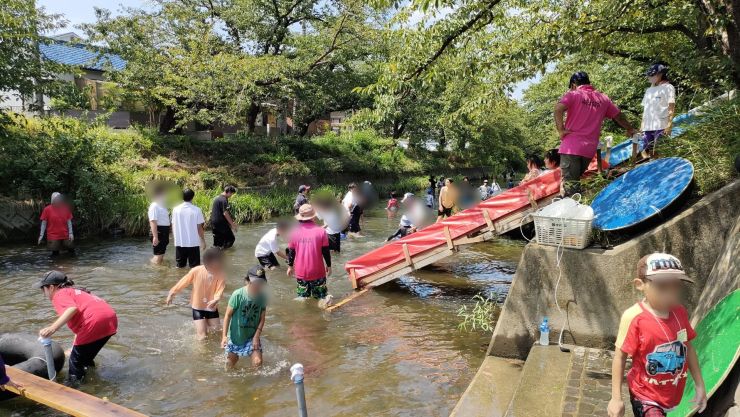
[
  {"x": 256, "y": 272},
  {"x": 661, "y": 267},
  {"x": 303, "y": 188},
  {"x": 305, "y": 212},
  {"x": 52, "y": 278},
  {"x": 55, "y": 195},
  {"x": 407, "y": 196},
  {"x": 405, "y": 222}
]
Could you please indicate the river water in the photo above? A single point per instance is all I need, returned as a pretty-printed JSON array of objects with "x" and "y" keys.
[{"x": 395, "y": 351}]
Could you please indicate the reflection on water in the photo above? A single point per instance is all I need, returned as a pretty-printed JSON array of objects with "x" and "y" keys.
[{"x": 393, "y": 352}]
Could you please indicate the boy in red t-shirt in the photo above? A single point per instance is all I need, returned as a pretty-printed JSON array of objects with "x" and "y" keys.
[
  {"x": 657, "y": 334},
  {"x": 309, "y": 258},
  {"x": 56, "y": 224}
]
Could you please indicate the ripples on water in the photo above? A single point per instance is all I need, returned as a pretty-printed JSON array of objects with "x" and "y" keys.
[{"x": 393, "y": 352}]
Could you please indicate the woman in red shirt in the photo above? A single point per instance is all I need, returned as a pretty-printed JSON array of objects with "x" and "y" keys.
[
  {"x": 90, "y": 318},
  {"x": 56, "y": 222}
]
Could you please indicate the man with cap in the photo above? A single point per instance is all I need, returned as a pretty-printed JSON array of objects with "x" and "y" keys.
[
  {"x": 484, "y": 190},
  {"x": 89, "y": 317},
  {"x": 245, "y": 319},
  {"x": 579, "y": 133},
  {"x": 309, "y": 257},
  {"x": 657, "y": 334},
  {"x": 56, "y": 224},
  {"x": 301, "y": 198},
  {"x": 659, "y": 104}
]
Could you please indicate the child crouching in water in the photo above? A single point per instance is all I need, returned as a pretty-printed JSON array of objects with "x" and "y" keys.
[
  {"x": 245, "y": 318},
  {"x": 405, "y": 227},
  {"x": 649, "y": 332},
  {"x": 208, "y": 285}
]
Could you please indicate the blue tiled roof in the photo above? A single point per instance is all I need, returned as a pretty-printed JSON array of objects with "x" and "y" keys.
[{"x": 80, "y": 56}]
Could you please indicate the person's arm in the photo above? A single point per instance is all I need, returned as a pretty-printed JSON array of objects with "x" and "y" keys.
[
  {"x": 258, "y": 333},
  {"x": 326, "y": 253},
  {"x": 616, "y": 404},
  {"x": 43, "y": 231},
  {"x": 290, "y": 259},
  {"x": 280, "y": 254},
  {"x": 395, "y": 235},
  {"x": 69, "y": 230},
  {"x": 183, "y": 283},
  {"x": 227, "y": 216},
  {"x": 61, "y": 321},
  {"x": 622, "y": 121},
  {"x": 155, "y": 235},
  {"x": 225, "y": 331},
  {"x": 220, "y": 287},
  {"x": 559, "y": 112},
  {"x": 5, "y": 381},
  {"x": 671, "y": 111},
  {"x": 700, "y": 398},
  {"x": 202, "y": 234}
]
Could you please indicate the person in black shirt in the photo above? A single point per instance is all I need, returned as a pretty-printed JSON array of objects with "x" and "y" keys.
[
  {"x": 222, "y": 223},
  {"x": 301, "y": 198}
]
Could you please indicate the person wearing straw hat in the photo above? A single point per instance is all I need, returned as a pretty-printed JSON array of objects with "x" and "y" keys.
[
  {"x": 56, "y": 224},
  {"x": 309, "y": 257}
]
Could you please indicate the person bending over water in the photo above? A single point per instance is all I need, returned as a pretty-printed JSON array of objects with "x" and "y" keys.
[
  {"x": 208, "y": 285},
  {"x": 245, "y": 319},
  {"x": 56, "y": 223},
  {"x": 5, "y": 381},
  {"x": 268, "y": 248},
  {"x": 90, "y": 318},
  {"x": 308, "y": 250}
]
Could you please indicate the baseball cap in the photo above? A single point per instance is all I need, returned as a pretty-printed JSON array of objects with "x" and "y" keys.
[
  {"x": 52, "y": 278},
  {"x": 303, "y": 188},
  {"x": 657, "y": 68},
  {"x": 660, "y": 267},
  {"x": 256, "y": 272},
  {"x": 407, "y": 196}
]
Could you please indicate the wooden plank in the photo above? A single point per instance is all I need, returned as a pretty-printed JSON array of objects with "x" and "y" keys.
[
  {"x": 353, "y": 278},
  {"x": 66, "y": 400},
  {"x": 487, "y": 217},
  {"x": 348, "y": 299},
  {"x": 419, "y": 264},
  {"x": 407, "y": 255}
]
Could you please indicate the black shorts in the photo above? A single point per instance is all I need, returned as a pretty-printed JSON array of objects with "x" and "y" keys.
[
  {"x": 223, "y": 237},
  {"x": 187, "y": 256},
  {"x": 445, "y": 212},
  {"x": 268, "y": 261},
  {"x": 354, "y": 219},
  {"x": 335, "y": 242},
  {"x": 163, "y": 234},
  {"x": 204, "y": 314}
]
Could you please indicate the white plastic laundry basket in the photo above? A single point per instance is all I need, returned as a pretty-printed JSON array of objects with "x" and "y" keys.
[{"x": 565, "y": 223}]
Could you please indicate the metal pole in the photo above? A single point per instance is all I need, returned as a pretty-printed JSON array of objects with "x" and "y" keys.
[
  {"x": 296, "y": 375},
  {"x": 50, "y": 369}
]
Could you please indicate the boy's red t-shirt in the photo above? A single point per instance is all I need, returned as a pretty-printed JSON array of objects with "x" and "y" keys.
[
  {"x": 56, "y": 221},
  {"x": 307, "y": 240},
  {"x": 658, "y": 350},
  {"x": 94, "y": 320}
]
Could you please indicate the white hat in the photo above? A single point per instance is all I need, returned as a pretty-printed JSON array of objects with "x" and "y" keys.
[
  {"x": 405, "y": 222},
  {"x": 661, "y": 266},
  {"x": 55, "y": 195},
  {"x": 407, "y": 196}
]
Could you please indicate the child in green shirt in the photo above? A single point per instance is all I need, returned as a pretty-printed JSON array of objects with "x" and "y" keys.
[{"x": 244, "y": 320}]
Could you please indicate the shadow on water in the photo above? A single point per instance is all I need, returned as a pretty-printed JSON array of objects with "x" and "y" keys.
[{"x": 394, "y": 352}]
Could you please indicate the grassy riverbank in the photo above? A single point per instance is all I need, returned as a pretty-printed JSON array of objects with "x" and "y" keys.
[{"x": 106, "y": 173}]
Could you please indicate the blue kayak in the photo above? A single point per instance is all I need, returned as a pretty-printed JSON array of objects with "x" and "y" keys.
[{"x": 641, "y": 193}]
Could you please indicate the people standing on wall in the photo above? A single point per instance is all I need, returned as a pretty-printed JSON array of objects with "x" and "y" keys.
[
  {"x": 56, "y": 224},
  {"x": 187, "y": 227},
  {"x": 579, "y": 132},
  {"x": 659, "y": 104},
  {"x": 301, "y": 198},
  {"x": 159, "y": 225},
  {"x": 222, "y": 222}
]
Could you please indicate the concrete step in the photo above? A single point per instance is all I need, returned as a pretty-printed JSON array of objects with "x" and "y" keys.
[
  {"x": 542, "y": 384},
  {"x": 492, "y": 388}
]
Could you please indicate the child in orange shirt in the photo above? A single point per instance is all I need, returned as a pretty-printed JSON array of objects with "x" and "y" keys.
[{"x": 208, "y": 285}]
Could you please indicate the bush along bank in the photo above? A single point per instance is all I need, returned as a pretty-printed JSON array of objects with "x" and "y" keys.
[{"x": 105, "y": 173}]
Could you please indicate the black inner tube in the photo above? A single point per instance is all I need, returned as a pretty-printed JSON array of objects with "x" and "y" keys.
[{"x": 24, "y": 352}]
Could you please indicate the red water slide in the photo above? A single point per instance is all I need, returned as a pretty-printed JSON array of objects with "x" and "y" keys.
[{"x": 462, "y": 224}]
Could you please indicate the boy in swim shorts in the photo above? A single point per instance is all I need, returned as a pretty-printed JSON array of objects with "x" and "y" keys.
[
  {"x": 245, "y": 319},
  {"x": 208, "y": 285}
]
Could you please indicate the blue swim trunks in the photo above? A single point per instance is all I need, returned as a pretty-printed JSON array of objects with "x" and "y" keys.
[{"x": 243, "y": 350}]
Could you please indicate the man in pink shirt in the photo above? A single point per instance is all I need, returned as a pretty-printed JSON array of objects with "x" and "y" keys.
[
  {"x": 309, "y": 258},
  {"x": 579, "y": 135}
]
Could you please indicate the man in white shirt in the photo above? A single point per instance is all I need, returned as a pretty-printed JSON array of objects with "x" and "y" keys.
[
  {"x": 159, "y": 225},
  {"x": 484, "y": 190},
  {"x": 268, "y": 247},
  {"x": 187, "y": 226},
  {"x": 659, "y": 104},
  {"x": 353, "y": 202}
]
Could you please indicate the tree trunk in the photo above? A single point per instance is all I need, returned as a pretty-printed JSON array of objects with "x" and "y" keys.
[
  {"x": 398, "y": 127},
  {"x": 252, "y": 113},
  {"x": 728, "y": 34},
  {"x": 167, "y": 122}
]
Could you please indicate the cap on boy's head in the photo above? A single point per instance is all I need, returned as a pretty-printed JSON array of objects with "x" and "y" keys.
[
  {"x": 661, "y": 267},
  {"x": 657, "y": 68},
  {"x": 255, "y": 273},
  {"x": 52, "y": 278},
  {"x": 407, "y": 197},
  {"x": 304, "y": 188}
]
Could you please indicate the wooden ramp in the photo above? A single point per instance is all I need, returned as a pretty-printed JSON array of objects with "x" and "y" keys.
[{"x": 67, "y": 400}]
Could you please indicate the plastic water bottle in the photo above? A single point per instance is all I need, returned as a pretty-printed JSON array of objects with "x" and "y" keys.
[
  {"x": 50, "y": 369},
  {"x": 544, "y": 332}
]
